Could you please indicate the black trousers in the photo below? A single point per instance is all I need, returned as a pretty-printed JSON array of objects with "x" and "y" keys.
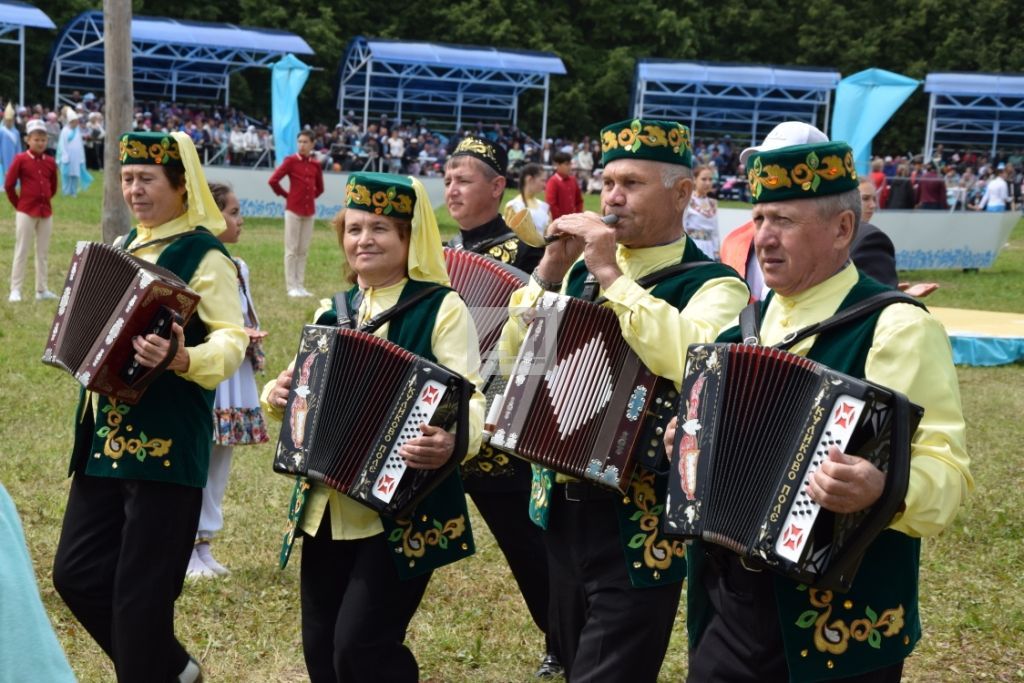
[
  {"x": 522, "y": 543},
  {"x": 743, "y": 641},
  {"x": 120, "y": 565},
  {"x": 605, "y": 629},
  {"x": 355, "y": 610}
]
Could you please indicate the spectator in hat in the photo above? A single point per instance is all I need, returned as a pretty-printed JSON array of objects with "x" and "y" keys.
[
  {"x": 74, "y": 176},
  {"x": 35, "y": 173}
]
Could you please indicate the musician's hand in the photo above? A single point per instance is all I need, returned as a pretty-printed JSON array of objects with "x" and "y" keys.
[
  {"x": 599, "y": 244},
  {"x": 278, "y": 396},
  {"x": 670, "y": 435},
  {"x": 920, "y": 290},
  {"x": 151, "y": 350},
  {"x": 430, "y": 451},
  {"x": 846, "y": 483},
  {"x": 254, "y": 334},
  {"x": 559, "y": 255}
]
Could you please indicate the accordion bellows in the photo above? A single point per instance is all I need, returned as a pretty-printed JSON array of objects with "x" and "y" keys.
[
  {"x": 755, "y": 423},
  {"x": 579, "y": 400},
  {"x": 109, "y": 297},
  {"x": 355, "y": 400}
]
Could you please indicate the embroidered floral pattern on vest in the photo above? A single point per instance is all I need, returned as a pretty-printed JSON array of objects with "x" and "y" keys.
[
  {"x": 834, "y": 637},
  {"x": 658, "y": 551},
  {"x": 116, "y": 444},
  {"x": 418, "y": 535}
]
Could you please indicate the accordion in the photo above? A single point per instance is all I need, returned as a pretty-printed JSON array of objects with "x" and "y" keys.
[
  {"x": 355, "y": 400},
  {"x": 579, "y": 400},
  {"x": 110, "y": 297},
  {"x": 485, "y": 285},
  {"x": 755, "y": 423}
]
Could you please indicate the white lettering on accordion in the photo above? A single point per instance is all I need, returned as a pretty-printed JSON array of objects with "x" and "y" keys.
[
  {"x": 580, "y": 385},
  {"x": 394, "y": 468},
  {"x": 804, "y": 511}
]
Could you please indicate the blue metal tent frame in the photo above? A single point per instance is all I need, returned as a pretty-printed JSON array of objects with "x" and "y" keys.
[
  {"x": 439, "y": 81},
  {"x": 736, "y": 99},
  {"x": 975, "y": 110},
  {"x": 171, "y": 58},
  {"x": 15, "y": 17}
]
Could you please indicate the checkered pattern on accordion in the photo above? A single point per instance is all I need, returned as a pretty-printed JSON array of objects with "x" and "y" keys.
[
  {"x": 109, "y": 297},
  {"x": 579, "y": 400},
  {"x": 755, "y": 423},
  {"x": 355, "y": 400}
]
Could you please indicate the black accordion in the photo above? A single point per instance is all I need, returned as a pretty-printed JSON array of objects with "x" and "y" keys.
[
  {"x": 355, "y": 400},
  {"x": 110, "y": 297},
  {"x": 579, "y": 400},
  {"x": 755, "y": 423}
]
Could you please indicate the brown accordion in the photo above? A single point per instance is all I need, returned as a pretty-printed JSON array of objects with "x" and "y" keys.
[
  {"x": 355, "y": 400},
  {"x": 755, "y": 423},
  {"x": 110, "y": 297},
  {"x": 579, "y": 400}
]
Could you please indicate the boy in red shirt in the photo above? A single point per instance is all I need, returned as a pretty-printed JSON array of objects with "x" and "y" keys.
[
  {"x": 37, "y": 174},
  {"x": 305, "y": 184},
  {"x": 562, "y": 191}
]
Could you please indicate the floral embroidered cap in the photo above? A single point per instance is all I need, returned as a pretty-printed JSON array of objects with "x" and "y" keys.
[
  {"x": 149, "y": 148},
  {"x": 486, "y": 151},
  {"x": 384, "y": 194},
  {"x": 801, "y": 172},
  {"x": 647, "y": 139}
]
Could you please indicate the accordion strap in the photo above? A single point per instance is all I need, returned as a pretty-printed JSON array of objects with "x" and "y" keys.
[
  {"x": 860, "y": 309},
  {"x": 345, "y": 318},
  {"x": 750, "y": 323},
  {"x": 658, "y": 276}
]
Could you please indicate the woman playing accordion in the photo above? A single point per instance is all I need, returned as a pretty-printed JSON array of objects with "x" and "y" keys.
[{"x": 362, "y": 574}]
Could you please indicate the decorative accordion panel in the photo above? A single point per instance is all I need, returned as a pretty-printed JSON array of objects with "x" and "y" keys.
[
  {"x": 110, "y": 297},
  {"x": 755, "y": 424},
  {"x": 355, "y": 400},
  {"x": 578, "y": 398}
]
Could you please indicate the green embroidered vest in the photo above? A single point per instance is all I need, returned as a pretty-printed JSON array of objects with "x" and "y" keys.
[
  {"x": 439, "y": 531},
  {"x": 651, "y": 558},
  {"x": 168, "y": 434},
  {"x": 876, "y": 624}
]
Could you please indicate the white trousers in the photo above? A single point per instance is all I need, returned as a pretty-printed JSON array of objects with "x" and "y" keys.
[
  {"x": 25, "y": 229},
  {"x": 211, "y": 518},
  {"x": 298, "y": 233}
]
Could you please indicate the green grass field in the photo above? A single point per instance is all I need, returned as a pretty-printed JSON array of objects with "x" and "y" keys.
[{"x": 473, "y": 625}]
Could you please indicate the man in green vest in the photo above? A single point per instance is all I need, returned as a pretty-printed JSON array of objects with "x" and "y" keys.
[
  {"x": 615, "y": 580},
  {"x": 748, "y": 625}
]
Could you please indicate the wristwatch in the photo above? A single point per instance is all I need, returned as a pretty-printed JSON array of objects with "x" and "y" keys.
[{"x": 546, "y": 285}]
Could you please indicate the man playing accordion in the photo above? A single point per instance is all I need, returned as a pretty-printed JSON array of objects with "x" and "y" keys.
[
  {"x": 748, "y": 625},
  {"x": 615, "y": 580}
]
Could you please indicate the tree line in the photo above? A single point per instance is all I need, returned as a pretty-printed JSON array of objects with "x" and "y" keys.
[{"x": 600, "y": 41}]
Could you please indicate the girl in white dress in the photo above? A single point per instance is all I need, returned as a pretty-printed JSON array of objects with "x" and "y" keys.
[
  {"x": 700, "y": 220},
  {"x": 237, "y": 417},
  {"x": 531, "y": 184}
]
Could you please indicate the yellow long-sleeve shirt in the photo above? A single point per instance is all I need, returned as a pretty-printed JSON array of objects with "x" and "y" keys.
[
  {"x": 656, "y": 330},
  {"x": 911, "y": 354},
  {"x": 216, "y": 281},
  {"x": 454, "y": 343}
]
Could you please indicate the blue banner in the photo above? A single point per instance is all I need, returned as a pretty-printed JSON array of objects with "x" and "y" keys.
[
  {"x": 864, "y": 102},
  {"x": 289, "y": 76}
]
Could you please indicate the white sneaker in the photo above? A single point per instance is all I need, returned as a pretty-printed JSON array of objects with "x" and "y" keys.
[
  {"x": 197, "y": 569},
  {"x": 15, "y": 296},
  {"x": 45, "y": 295},
  {"x": 203, "y": 550}
]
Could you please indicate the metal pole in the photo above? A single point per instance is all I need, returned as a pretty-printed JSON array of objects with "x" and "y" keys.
[
  {"x": 227, "y": 89},
  {"x": 366, "y": 96},
  {"x": 401, "y": 96},
  {"x": 56, "y": 88},
  {"x": 21, "y": 66},
  {"x": 544, "y": 125},
  {"x": 929, "y": 134},
  {"x": 828, "y": 110},
  {"x": 458, "y": 113}
]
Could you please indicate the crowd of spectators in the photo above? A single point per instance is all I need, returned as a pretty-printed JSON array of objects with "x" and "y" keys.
[{"x": 226, "y": 135}]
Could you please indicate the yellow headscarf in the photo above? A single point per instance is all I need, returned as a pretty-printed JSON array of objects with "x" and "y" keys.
[
  {"x": 426, "y": 254},
  {"x": 202, "y": 209}
]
